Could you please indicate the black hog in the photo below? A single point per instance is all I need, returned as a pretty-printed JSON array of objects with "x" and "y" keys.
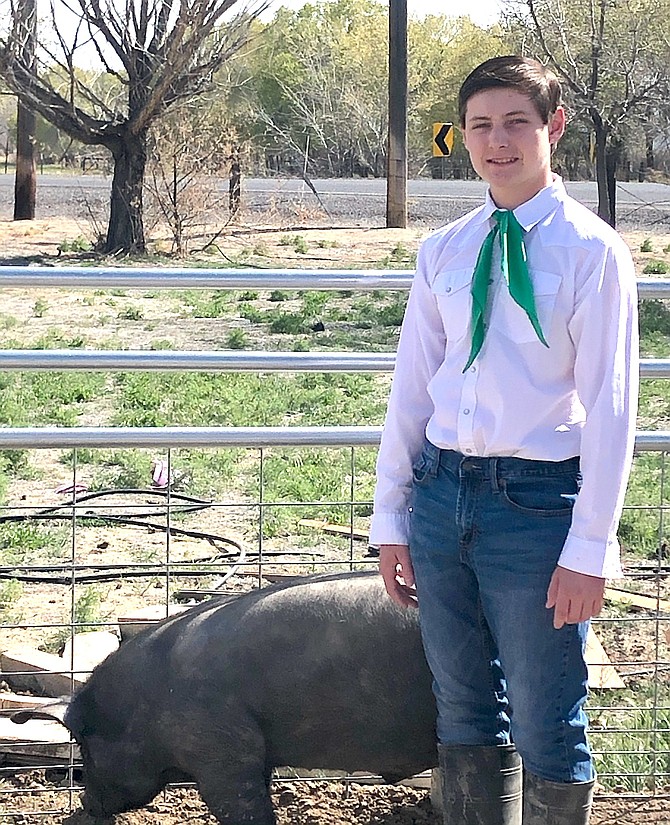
[{"x": 320, "y": 672}]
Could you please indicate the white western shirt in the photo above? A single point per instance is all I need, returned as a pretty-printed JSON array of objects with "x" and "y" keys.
[{"x": 520, "y": 398}]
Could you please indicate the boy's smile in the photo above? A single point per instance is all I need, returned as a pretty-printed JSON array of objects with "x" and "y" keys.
[{"x": 510, "y": 145}]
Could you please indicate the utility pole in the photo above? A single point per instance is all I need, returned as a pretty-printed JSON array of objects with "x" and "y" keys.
[
  {"x": 396, "y": 174},
  {"x": 25, "y": 180}
]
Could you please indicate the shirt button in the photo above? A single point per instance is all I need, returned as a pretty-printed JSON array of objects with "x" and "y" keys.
[
  {"x": 473, "y": 369},
  {"x": 468, "y": 450},
  {"x": 466, "y": 412},
  {"x": 448, "y": 289}
]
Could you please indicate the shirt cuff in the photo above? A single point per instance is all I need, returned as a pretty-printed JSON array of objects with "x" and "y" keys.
[
  {"x": 593, "y": 558},
  {"x": 389, "y": 528}
]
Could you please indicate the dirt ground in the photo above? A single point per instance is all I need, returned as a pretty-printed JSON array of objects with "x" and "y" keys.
[
  {"x": 37, "y": 242},
  {"x": 308, "y": 803},
  {"x": 28, "y": 798}
]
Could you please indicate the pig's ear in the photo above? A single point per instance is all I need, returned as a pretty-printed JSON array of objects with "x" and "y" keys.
[{"x": 54, "y": 710}]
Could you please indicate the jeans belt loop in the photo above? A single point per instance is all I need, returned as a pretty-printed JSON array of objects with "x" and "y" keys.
[{"x": 494, "y": 475}]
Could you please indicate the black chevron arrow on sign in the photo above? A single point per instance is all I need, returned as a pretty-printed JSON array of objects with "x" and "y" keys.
[{"x": 441, "y": 138}]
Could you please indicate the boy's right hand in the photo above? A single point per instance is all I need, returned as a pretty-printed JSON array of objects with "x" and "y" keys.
[{"x": 395, "y": 566}]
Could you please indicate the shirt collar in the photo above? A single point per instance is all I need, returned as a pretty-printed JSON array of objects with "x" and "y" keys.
[{"x": 530, "y": 213}]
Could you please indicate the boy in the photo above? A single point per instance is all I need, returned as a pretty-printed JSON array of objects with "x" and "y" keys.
[{"x": 505, "y": 456}]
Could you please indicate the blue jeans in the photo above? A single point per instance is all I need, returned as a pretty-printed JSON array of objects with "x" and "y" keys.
[{"x": 485, "y": 537}]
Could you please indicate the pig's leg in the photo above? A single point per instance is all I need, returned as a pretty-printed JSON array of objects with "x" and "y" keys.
[
  {"x": 237, "y": 796},
  {"x": 228, "y": 761}
]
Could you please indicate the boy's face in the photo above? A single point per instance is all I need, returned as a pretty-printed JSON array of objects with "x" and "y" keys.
[{"x": 509, "y": 145}]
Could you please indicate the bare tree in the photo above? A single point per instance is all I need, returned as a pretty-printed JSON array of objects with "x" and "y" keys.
[
  {"x": 613, "y": 59},
  {"x": 155, "y": 52},
  {"x": 189, "y": 152}
]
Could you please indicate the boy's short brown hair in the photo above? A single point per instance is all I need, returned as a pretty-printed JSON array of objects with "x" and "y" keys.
[{"x": 523, "y": 74}]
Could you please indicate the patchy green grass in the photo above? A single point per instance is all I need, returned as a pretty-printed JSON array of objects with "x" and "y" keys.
[
  {"x": 631, "y": 739},
  {"x": 32, "y": 542},
  {"x": 87, "y": 614},
  {"x": 209, "y": 305},
  {"x": 11, "y": 591},
  {"x": 643, "y": 528}
]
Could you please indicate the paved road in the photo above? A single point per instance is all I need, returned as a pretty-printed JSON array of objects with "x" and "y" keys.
[
  {"x": 584, "y": 191},
  {"x": 431, "y": 202}
]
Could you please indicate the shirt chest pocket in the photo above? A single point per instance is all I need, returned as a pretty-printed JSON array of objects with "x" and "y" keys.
[
  {"x": 508, "y": 318},
  {"x": 452, "y": 293}
]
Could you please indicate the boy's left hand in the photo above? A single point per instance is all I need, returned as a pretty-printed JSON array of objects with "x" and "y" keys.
[{"x": 574, "y": 596}]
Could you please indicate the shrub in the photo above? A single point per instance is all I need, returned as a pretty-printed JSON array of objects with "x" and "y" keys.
[
  {"x": 79, "y": 244},
  {"x": 40, "y": 307},
  {"x": 290, "y": 322},
  {"x": 237, "y": 339},
  {"x": 656, "y": 267},
  {"x": 131, "y": 314},
  {"x": 251, "y": 314},
  {"x": 300, "y": 245}
]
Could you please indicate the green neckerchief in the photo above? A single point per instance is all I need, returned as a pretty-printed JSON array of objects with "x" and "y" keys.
[{"x": 515, "y": 272}]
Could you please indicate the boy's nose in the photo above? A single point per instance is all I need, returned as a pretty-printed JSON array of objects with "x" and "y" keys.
[{"x": 498, "y": 136}]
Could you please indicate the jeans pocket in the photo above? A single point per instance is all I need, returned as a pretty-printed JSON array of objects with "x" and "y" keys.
[
  {"x": 546, "y": 496},
  {"x": 427, "y": 464}
]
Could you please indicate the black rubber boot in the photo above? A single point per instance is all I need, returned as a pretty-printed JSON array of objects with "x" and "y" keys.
[
  {"x": 556, "y": 803},
  {"x": 481, "y": 785}
]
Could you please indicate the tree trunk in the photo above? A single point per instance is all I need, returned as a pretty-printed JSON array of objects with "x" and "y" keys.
[
  {"x": 235, "y": 183},
  {"x": 25, "y": 181},
  {"x": 396, "y": 175},
  {"x": 649, "y": 146},
  {"x": 125, "y": 232},
  {"x": 612, "y": 159},
  {"x": 601, "y": 172}
]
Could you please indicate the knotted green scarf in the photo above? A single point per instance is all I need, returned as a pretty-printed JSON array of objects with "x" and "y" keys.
[{"x": 515, "y": 271}]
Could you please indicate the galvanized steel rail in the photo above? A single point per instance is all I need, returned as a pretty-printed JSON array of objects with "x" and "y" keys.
[
  {"x": 226, "y": 361},
  {"x": 12, "y": 438},
  {"x": 191, "y": 278},
  {"x": 194, "y": 361}
]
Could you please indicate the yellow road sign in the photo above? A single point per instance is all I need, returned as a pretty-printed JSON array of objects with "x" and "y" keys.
[{"x": 443, "y": 139}]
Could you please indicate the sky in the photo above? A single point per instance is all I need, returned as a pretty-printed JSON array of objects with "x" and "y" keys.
[{"x": 484, "y": 12}]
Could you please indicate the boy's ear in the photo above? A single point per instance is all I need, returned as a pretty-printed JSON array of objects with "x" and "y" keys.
[{"x": 557, "y": 126}]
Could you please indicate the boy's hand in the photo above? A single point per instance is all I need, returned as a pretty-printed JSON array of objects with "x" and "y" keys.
[
  {"x": 396, "y": 568},
  {"x": 574, "y": 596}
]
